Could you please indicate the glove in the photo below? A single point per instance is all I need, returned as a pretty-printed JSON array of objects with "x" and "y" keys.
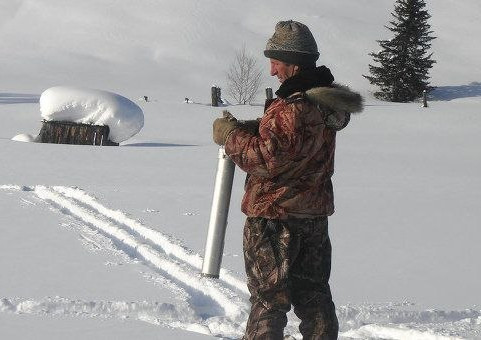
[
  {"x": 251, "y": 126},
  {"x": 222, "y": 127}
]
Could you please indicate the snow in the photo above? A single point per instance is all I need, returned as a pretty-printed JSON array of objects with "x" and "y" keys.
[
  {"x": 88, "y": 106},
  {"x": 23, "y": 137},
  {"x": 108, "y": 242}
]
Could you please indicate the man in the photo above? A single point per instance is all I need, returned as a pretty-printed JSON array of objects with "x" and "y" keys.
[{"x": 289, "y": 159}]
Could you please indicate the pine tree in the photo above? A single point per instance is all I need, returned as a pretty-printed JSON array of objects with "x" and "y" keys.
[{"x": 404, "y": 62}]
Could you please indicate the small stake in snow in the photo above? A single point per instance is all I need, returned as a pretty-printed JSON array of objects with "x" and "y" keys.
[
  {"x": 95, "y": 138},
  {"x": 214, "y": 245},
  {"x": 425, "y": 98},
  {"x": 216, "y": 95},
  {"x": 213, "y": 92}
]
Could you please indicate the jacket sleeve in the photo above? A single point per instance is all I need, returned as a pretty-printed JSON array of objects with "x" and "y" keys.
[{"x": 272, "y": 151}]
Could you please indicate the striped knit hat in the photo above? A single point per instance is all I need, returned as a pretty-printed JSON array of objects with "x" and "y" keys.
[{"x": 292, "y": 43}]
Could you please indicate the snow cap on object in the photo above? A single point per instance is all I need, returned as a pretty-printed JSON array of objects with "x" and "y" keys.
[{"x": 90, "y": 106}]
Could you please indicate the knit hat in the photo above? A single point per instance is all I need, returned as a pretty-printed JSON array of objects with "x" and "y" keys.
[{"x": 292, "y": 43}]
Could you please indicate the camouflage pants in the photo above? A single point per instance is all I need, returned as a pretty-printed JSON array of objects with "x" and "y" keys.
[{"x": 289, "y": 262}]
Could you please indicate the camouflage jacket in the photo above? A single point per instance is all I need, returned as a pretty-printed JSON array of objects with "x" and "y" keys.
[{"x": 290, "y": 160}]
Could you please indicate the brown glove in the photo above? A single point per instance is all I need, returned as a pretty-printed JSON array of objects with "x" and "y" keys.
[
  {"x": 221, "y": 129},
  {"x": 223, "y": 126},
  {"x": 251, "y": 126}
]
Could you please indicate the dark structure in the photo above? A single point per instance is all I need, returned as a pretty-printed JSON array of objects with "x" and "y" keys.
[
  {"x": 74, "y": 133},
  {"x": 404, "y": 61},
  {"x": 269, "y": 94},
  {"x": 216, "y": 95}
]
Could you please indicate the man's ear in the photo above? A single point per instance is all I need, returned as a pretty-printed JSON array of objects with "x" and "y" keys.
[{"x": 296, "y": 68}]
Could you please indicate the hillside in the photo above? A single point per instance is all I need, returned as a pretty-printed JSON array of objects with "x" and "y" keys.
[{"x": 169, "y": 50}]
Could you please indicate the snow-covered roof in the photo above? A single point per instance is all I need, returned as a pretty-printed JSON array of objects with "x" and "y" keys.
[{"x": 89, "y": 106}]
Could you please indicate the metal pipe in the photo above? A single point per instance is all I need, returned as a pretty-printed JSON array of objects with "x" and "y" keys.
[{"x": 214, "y": 245}]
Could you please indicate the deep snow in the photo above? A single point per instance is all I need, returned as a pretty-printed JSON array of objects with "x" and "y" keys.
[{"x": 106, "y": 242}]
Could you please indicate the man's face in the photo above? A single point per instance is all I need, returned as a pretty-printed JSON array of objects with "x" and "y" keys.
[{"x": 282, "y": 70}]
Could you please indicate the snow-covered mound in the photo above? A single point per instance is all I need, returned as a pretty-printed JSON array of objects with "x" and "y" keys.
[{"x": 89, "y": 106}]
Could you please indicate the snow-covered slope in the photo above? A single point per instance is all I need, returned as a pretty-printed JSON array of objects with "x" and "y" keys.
[
  {"x": 106, "y": 242},
  {"x": 176, "y": 50}
]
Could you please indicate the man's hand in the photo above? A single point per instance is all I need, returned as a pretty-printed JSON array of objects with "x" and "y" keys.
[
  {"x": 222, "y": 127},
  {"x": 251, "y": 126}
]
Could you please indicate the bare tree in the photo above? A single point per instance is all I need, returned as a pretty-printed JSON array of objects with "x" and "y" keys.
[{"x": 243, "y": 77}]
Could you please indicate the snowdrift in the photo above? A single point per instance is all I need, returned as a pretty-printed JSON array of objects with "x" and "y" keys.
[{"x": 88, "y": 106}]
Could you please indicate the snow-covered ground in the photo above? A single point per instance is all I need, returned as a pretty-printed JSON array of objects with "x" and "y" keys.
[{"x": 106, "y": 242}]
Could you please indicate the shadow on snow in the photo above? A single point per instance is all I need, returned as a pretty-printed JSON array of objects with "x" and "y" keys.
[{"x": 446, "y": 93}]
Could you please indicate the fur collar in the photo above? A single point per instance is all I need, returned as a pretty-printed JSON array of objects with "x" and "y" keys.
[
  {"x": 305, "y": 80},
  {"x": 337, "y": 103},
  {"x": 316, "y": 85},
  {"x": 319, "y": 88},
  {"x": 337, "y": 98}
]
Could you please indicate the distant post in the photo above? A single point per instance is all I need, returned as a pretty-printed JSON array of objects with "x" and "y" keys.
[
  {"x": 216, "y": 95},
  {"x": 425, "y": 98},
  {"x": 269, "y": 94},
  {"x": 213, "y": 92}
]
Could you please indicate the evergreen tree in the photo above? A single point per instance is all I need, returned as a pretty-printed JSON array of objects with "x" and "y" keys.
[{"x": 404, "y": 62}]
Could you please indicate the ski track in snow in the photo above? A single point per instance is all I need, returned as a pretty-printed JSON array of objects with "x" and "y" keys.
[
  {"x": 152, "y": 312},
  {"x": 216, "y": 303},
  {"x": 207, "y": 297},
  {"x": 207, "y": 306},
  {"x": 169, "y": 245}
]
